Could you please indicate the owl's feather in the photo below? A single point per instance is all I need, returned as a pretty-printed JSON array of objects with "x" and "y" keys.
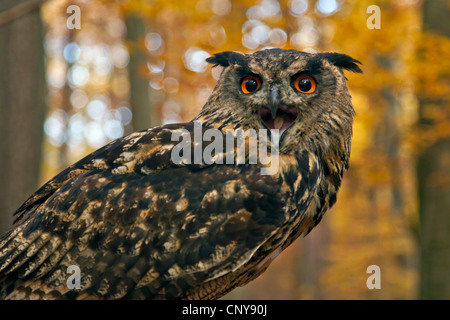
[{"x": 140, "y": 226}]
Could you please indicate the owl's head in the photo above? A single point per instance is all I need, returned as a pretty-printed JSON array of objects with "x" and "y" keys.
[{"x": 304, "y": 95}]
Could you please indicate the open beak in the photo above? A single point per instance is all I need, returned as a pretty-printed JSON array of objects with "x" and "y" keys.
[{"x": 277, "y": 116}]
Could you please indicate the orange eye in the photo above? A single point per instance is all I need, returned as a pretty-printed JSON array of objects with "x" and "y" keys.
[
  {"x": 305, "y": 84},
  {"x": 250, "y": 84}
]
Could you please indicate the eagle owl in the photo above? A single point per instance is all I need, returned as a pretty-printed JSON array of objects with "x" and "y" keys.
[{"x": 137, "y": 225}]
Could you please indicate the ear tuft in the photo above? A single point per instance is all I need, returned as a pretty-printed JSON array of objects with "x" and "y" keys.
[
  {"x": 342, "y": 61},
  {"x": 225, "y": 58}
]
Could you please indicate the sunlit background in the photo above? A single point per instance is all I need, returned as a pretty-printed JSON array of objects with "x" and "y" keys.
[
  {"x": 87, "y": 73},
  {"x": 134, "y": 64}
]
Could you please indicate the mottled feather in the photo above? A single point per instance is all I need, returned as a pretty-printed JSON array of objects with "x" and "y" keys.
[{"x": 140, "y": 226}]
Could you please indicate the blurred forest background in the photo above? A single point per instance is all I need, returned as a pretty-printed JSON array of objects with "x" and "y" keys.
[{"x": 133, "y": 64}]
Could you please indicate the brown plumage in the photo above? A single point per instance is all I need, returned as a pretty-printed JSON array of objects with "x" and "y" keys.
[{"x": 140, "y": 226}]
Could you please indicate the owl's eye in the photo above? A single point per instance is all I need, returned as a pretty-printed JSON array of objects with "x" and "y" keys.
[
  {"x": 250, "y": 84},
  {"x": 305, "y": 84}
]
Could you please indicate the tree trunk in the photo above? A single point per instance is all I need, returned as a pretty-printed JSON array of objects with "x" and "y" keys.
[
  {"x": 433, "y": 175},
  {"x": 22, "y": 107},
  {"x": 143, "y": 115},
  {"x": 434, "y": 199}
]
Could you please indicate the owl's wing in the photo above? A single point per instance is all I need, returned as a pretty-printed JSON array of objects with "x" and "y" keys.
[
  {"x": 138, "y": 226},
  {"x": 119, "y": 155}
]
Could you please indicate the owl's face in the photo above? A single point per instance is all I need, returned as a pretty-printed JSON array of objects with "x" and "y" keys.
[{"x": 303, "y": 95}]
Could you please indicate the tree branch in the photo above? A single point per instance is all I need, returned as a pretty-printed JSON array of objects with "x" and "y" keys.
[{"x": 19, "y": 10}]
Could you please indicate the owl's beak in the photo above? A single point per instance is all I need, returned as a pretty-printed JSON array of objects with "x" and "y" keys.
[
  {"x": 277, "y": 115},
  {"x": 274, "y": 100}
]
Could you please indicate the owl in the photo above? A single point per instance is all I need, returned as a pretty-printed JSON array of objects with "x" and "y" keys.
[{"x": 129, "y": 222}]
